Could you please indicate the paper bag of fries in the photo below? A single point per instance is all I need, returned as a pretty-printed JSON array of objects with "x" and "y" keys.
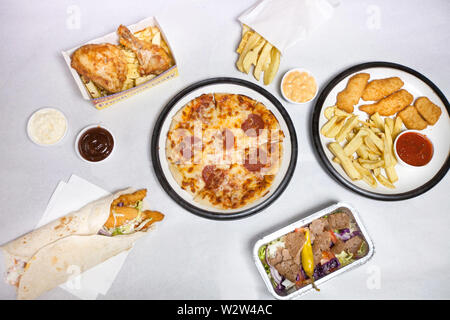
[{"x": 272, "y": 26}]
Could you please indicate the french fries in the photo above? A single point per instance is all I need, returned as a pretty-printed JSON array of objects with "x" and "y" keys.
[
  {"x": 366, "y": 174},
  {"x": 346, "y": 128},
  {"x": 354, "y": 143},
  {"x": 398, "y": 125},
  {"x": 332, "y": 127},
  {"x": 384, "y": 181},
  {"x": 345, "y": 161},
  {"x": 262, "y": 60},
  {"x": 256, "y": 51},
  {"x": 367, "y": 145},
  {"x": 251, "y": 43},
  {"x": 252, "y": 57},
  {"x": 379, "y": 123}
]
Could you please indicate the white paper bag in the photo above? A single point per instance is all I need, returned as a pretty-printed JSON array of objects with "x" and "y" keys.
[{"x": 285, "y": 22}]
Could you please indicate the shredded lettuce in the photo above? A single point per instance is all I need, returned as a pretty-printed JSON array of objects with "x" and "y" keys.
[
  {"x": 262, "y": 253},
  {"x": 362, "y": 251},
  {"x": 125, "y": 229},
  {"x": 262, "y": 257},
  {"x": 345, "y": 258},
  {"x": 139, "y": 205},
  {"x": 353, "y": 227}
]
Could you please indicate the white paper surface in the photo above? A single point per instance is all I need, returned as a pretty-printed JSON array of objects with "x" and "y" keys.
[
  {"x": 30, "y": 173},
  {"x": 69, "y": 197},
  {"x": 285, "y": 22}
]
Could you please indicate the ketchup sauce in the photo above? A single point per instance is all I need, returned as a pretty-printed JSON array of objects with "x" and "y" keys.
[{"x": 414, "y": 148}]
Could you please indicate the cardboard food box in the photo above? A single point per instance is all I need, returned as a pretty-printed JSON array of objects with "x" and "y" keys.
[{"x": 106, "y": 101}]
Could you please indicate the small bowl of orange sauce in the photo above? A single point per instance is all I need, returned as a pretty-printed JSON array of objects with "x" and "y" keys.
[
  {"x": 413, "y": 149},
  {"x": 298, "y": 86}
]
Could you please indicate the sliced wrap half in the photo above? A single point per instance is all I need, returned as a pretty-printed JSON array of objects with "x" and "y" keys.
[{"x": 46, "y": 257}]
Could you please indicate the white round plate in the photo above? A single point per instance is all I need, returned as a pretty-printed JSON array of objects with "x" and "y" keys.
[
  {"x": 412, "y": 181},
  {"x": 225, "y": 85}
]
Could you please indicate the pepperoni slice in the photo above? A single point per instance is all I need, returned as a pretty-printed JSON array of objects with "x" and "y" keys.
[
  {"x": 253, "y": 125},
  {"x": 201, "y": 108},
  {"x": 212, "y": 176},
  {"x": 255, "y": 160},
  {"x": 228, "y": 139},
  {"x": 188, "y": 145}
]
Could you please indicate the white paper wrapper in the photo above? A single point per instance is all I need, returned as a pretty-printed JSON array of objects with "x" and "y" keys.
[
  {"x": 69, "y": 197},
  {"x": 285, "y": 22}
]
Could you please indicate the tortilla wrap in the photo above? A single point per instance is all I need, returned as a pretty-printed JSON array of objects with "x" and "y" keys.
[{"x": 70, "y": 241}]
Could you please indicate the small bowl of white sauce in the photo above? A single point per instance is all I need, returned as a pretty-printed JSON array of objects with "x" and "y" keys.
[{"x": 47, "y": 126}]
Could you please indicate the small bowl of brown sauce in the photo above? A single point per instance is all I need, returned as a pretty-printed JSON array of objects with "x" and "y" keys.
[
  {"x": 413, "y": 149},
  {"x": 299, "y": 86},
  {"x": 94, "y": 143}
]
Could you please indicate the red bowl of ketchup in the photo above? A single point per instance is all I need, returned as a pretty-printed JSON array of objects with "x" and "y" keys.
[{"x": 413, "y": 149}]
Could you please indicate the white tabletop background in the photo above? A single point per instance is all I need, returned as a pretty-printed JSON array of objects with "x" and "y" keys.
[{"x": 189, "y": 257}]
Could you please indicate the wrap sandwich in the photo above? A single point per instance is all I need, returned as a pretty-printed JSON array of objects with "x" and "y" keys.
[{"x": 40, "y": 260}]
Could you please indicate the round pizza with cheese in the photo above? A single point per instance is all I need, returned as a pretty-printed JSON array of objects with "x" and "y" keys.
[{"x": 224, "y": 149}]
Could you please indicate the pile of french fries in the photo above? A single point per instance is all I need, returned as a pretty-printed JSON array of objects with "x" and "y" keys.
[
  {"x": 257, "y": 51},
  {"x": 368, "y": 145},
  {"x": 150, "y": 34}
]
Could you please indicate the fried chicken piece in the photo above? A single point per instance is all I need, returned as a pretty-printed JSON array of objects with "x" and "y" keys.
[
  {"x": 104, "y": 64},
  {"x": 120, "y": 216},
  {"x": 380, "y": 88},
  {"x": 350, "y": 96},
  {"x": 412, "y": 119},
  {"x": 130, "y": 199},
  {"x": 152, "y": 58},
  {"x": 155, "y": 216},
  {"x": 428, "y": 110},
  {"x": 389, "y": 105}
]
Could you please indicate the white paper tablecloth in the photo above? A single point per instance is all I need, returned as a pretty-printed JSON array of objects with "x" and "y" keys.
[{"x": 191, "y": 257}]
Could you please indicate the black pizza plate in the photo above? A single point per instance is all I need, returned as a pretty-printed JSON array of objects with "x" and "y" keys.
[{"x": 230, "y": 85}]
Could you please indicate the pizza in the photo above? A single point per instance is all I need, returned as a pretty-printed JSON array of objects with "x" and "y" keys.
[{"x": 224, "y": 149}]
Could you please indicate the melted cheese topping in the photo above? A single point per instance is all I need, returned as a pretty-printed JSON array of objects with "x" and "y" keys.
[
  {"x": 47, "y": 126},
  {"x": 299, "y": 86}
]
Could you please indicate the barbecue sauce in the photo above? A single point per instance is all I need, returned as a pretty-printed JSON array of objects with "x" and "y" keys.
[{"x": 95, "y": 144}]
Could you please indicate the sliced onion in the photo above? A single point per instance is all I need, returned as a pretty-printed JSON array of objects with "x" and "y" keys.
[
  {"x": 274, "y": 272},
  {"x": 276, "y": 275},
  {"x": 104, "y": 232}
]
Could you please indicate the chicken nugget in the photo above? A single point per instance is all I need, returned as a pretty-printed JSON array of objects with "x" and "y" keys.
[
  {"x": 390, "y": 105},
  {"x": 428, "y": 110},
  {"x": 380, "y": 88},
  {"x": 412, "y": 119},
  {"x": 350, "y": 96}
]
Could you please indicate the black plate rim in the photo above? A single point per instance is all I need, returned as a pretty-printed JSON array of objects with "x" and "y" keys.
[
  {"x": 325, "y": 161},
  {"x": 214, "y": 215}
]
